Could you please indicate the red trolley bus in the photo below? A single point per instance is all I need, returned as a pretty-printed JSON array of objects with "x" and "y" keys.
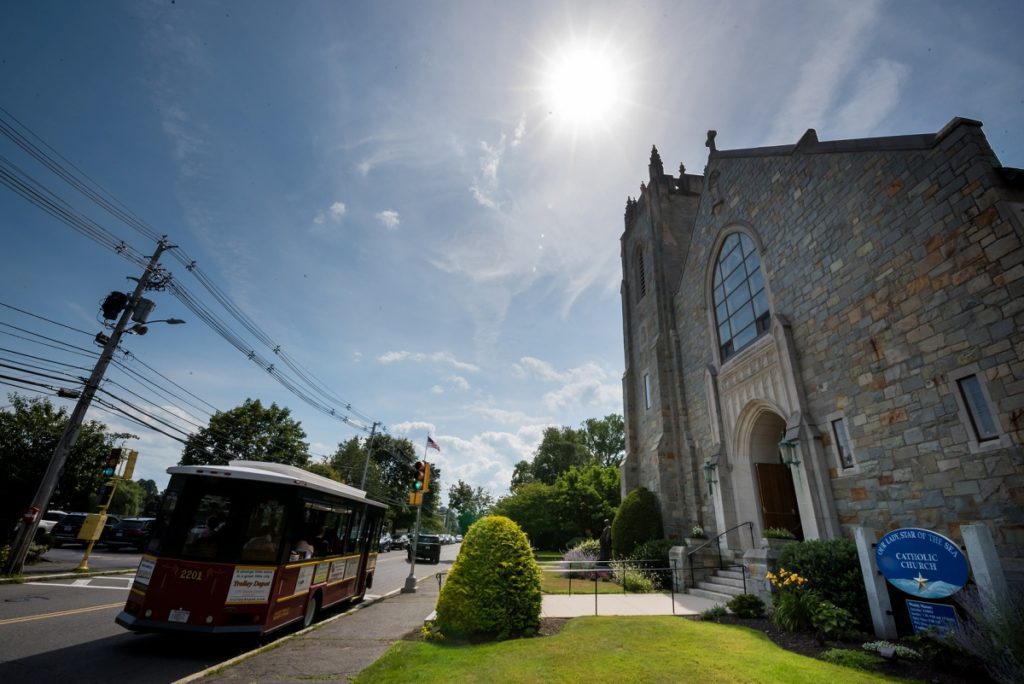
[{"x": 250, "y": 548}]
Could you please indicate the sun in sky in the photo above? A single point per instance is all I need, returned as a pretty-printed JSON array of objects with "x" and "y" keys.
[{"x": 584, "y": 86}]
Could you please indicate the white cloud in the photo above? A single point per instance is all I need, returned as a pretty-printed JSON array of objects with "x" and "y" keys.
[
  {"x": 506, "y": 416},
  {"x": 408, "y": 427},
  {"x": 458, "y": 382},
  {"x": 364, "y": 167},
  {"x": 875, "y": 96},
  {"x": 517, "y": 137},
  {"x": 485, "y": 187},
  {"x": 419, "y": 357},
  {"x": 583, "y": 386},
  {"x": 824, "y": 71},
  {"x": 437, "y": 389},
  {"x": 389, "y": 218},
  {"x": 334, "y": 213}
]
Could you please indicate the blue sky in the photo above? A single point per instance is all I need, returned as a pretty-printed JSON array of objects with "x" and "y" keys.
[{"x": 421, "y": 202}]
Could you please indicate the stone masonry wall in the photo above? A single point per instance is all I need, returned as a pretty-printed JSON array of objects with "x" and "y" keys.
[{"x": 896, "y": 267}]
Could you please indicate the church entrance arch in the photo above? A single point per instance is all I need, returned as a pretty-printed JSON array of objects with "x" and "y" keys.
[{"x": 768, "y": 497}]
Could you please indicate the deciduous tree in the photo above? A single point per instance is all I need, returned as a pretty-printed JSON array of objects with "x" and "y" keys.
[
  {"x": 29, "y": 432},
  {"x": 249, "y": 432}
]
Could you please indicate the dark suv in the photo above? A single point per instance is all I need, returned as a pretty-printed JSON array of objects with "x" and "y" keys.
[
  {"x": 134, "y": 532},
  {"x": 66, "y": 531},
  {"x": 428, "y": 548}
]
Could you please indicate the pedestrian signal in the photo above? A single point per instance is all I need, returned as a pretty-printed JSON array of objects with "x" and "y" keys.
[{"x": 112, "y": 462}]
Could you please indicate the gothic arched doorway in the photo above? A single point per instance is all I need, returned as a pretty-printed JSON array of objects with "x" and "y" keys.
[{"x": 775, "y": 492}]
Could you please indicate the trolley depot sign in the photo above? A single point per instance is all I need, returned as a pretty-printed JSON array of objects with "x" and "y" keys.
[{"x": 921, "y": 563}]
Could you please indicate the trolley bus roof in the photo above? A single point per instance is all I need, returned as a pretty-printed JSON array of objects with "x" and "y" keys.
[{"x": 278, "y": 473}]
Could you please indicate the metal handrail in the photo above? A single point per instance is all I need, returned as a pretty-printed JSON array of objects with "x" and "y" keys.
[{"x": 718, "y": 545}]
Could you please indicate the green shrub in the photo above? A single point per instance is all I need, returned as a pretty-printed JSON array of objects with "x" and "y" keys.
[
  {"x": 746, "y": 606},
  {"x": 833, "y": 621},
  {"x": 638, "y": 521},
  {"x": 714, "y": 613},
  {"x": 586, "y": 546},
  {"x": 850, "y": 658},
  {"x": 794, "y": 610},
  {"x": 832, "y": 568},
  {"x": 652, "y": 556},
  {"x": 778, "y": 533},
  {"x": 493, "y": 588},
  {"x": 897, "y": 650},
  {"x": 632, "y": 578}
]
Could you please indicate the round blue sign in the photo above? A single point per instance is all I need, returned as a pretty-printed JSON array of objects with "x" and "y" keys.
[{"x": 921, "y": 562}]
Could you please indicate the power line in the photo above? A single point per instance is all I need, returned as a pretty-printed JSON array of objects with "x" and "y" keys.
[
  {"x": 36, "y": 193},
  {"x": 43, "y": 318}
]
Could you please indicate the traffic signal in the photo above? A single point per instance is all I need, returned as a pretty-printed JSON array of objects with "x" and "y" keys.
[
  {"x": 112, "y": 462},
  {"x": 129, "y": 465},
  {"x": 422, "y": 476}
]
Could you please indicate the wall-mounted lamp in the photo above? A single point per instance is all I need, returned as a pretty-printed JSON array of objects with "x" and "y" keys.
[
  {"x": 787, "y": 450},
  {"x": 709, "y": 473}
]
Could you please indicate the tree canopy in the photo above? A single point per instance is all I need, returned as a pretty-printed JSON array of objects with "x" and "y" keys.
[
  {"x": 606, "y": 438},
  {"x": 29, "y": 431},
  {"x": 389, "y": 474},
  {"x": 470, "y": 504},
  {"x": 249, "y": 432}
]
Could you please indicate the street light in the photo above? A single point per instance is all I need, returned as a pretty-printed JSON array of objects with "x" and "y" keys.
[{"x": 140, "y": 329}]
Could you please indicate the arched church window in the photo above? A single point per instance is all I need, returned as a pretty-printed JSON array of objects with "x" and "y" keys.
[
  {"x": 641, "y": 274},
  {"x": 741, "y": 301}
]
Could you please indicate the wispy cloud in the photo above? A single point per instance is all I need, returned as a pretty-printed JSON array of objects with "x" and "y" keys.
[
  {"x": 389, "y": 218},
  {"x": 458, "y": 382},
  {"x": 508, "y": 417},
  {"x": 435, "y": 357},
  {"x": 334, "y": 213},
  {"x": 875, "y": 95},
  {"x": 824, "y": 72},
  {"x": 409, "y": 427},
  {"x": 583, "y": 386}
]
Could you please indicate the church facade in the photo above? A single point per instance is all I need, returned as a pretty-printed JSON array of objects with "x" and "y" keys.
[{"x": 828, "y": 335}]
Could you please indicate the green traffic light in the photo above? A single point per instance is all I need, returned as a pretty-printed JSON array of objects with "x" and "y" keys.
[{"x": 419, "y": 485}]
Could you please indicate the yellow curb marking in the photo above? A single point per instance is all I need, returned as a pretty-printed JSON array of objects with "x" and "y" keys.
[{"x": 60, "y": 613}]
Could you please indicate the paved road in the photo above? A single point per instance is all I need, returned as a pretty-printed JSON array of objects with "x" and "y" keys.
[{"x": 64, "y": 630}]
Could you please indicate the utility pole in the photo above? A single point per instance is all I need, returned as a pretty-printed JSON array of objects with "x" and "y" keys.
[
  {"x": 369, "y": 444},
  {"x": 30, "y": 519}
]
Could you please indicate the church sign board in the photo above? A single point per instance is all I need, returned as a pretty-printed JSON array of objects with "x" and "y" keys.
[{"x": 921, "y": 563}]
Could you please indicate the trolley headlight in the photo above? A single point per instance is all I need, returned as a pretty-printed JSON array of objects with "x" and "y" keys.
[
  {"x": 149, "y": 612},
  {"x": 209, "y": 619}
]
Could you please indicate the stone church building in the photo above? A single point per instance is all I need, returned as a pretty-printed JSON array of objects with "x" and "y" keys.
[{"x": 827, "y": 335}]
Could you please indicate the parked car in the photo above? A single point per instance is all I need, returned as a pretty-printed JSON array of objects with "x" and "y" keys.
[
  {"x": 66, "y": 530},
  {"x": 400, "y": 542},
  {"x": 50, "y": 520},
  {"x": 385, "y": 542},
  {"x": 428, "y": 548},
  {"x": 134, "y": 532}
]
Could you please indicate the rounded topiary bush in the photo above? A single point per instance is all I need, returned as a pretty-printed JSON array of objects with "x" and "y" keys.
[
  {"x": 493, "y": 588},
  {"x": 638, "y": 521}
]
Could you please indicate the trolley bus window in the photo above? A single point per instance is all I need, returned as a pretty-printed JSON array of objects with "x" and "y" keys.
[
  {"x": 264, "y": 532},
  {"x": 208, "y": 528}
]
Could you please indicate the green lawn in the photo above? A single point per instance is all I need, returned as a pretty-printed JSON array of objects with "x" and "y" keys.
[
  {"x": 606, "y": 649},
  {"x": 555, "y": 583}
]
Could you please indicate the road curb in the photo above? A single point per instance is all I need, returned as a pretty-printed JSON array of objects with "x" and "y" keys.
[{"x": 285, "y": 639}]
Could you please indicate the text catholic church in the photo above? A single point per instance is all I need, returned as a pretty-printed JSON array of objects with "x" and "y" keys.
[{"x": 827, "y": 335}]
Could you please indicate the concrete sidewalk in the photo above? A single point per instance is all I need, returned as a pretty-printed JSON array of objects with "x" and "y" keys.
[
  {"x": 564, "y": 606},
  {"x": 335, "y": 649}
]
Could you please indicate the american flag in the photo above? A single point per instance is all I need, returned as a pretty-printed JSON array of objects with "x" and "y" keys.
[{"x": 431, "y": 444}]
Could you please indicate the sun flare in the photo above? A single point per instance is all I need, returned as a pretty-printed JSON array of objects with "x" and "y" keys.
[{"x": 584, "y": 86}]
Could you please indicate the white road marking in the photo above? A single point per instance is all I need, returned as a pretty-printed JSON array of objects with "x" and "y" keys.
[{"x": 85, "y": 583}]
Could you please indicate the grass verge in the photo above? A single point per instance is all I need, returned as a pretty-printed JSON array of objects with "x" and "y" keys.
[{"x": 601, "y": 649}]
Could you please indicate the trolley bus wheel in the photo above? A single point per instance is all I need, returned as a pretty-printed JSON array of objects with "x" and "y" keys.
[{"x": 312, "y": 608}]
